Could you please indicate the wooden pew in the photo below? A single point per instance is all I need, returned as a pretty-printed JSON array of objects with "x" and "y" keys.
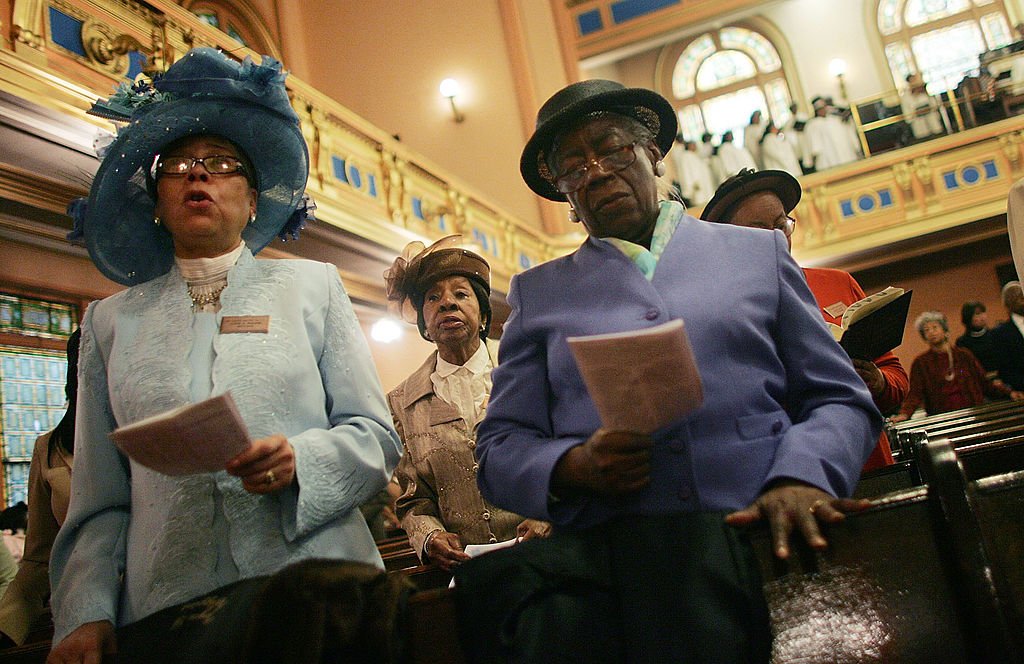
[
  {"x": 999, "y": 506},
  {"x": 900, "y": 434},
  {"x": 881, "y": 592},
  {"x": 982, "y": 585}
]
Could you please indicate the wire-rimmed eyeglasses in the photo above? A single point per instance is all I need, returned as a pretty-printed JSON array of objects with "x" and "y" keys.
[{"x": 610, "y": 162}]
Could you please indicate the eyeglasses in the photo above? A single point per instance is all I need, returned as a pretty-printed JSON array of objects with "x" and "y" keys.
[
  {"x": 610, "y": 162},
  {"x": 786, "y": 226},
  {"x": 218, "y": 164}
]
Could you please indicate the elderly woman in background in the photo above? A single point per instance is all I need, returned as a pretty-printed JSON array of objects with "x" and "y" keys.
[
  {"x": 49, "y": 490},
  {"x": 445, "y": 289},
  {"x": 643, "y": 565},
  {"x": 211, "y": 167},
  {"x": 947, "y": 377}
]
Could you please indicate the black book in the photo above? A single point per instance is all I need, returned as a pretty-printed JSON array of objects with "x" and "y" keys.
[{"x": 874, "y": 326}]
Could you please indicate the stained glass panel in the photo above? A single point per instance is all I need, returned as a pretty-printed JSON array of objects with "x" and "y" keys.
[
  {"x": 234, "y": 34},
  {"x": 685, "y": 74},
  {"x": 890, "y": 18},
  {"x": 731, "y": 112},
  {"x": 996, "y": 30},
  {"x": 209, "y": 18},
  {"x": 754, "y": 44},
  {"x": 691, "y": 124},
  {"x": 900, "y": 63},
  {"x": 945, "y": 55},
  {"x": 919, "y": 12},
  {"x": 723, "y": 68},
  {"x": 31, "y": 403},
  {"x": 779, "y": 100}
]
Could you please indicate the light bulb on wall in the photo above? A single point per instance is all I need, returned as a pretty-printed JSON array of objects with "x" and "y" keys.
[
  {"x": 450, "y": 89},
  {"x": 837, "y": 68},
  {"x": 386, "y": 330}
]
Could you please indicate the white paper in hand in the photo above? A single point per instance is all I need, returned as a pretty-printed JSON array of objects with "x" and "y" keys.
[
  {"x": 641, "y": 380},
  {"x": 196, "y": 438}
]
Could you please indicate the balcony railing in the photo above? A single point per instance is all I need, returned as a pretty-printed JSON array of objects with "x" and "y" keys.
[{"x": 65, "y": 53}]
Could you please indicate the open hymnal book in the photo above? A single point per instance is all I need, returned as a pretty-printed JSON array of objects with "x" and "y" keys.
[
  {"x": 641, "y": 380},
  {"x": 195, "y": 438},
  {"x": 874, "y": 325}
]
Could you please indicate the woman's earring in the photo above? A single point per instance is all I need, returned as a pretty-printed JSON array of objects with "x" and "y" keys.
[
  {"x": 156, "y": 220},
  {"x": 659, "y": 168},
  {"x": 252, "y": 217},
  {"x": 573, "y": 217}
]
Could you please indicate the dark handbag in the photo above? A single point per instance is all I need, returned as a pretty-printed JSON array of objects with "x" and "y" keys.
[{"x": 313, "y": 611}]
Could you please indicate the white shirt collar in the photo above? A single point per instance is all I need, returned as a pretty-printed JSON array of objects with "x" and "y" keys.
[
  {"x": 478, "y": 363},
  {"x": 201, "y": 270}
]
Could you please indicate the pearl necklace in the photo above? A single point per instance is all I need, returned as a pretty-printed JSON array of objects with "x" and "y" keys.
[{"x": 202, "y": 297}]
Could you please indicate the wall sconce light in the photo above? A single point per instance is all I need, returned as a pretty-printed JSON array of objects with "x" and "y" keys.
[
  {"x": 386, "y": 330},
  {"x": 450, "y": 90},
  {"x": 837, "y": 68}
]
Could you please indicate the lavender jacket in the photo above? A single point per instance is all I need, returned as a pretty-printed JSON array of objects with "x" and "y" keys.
[{"x": 781, "y": 398}]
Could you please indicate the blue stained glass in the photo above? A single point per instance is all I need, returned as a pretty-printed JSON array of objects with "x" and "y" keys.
[
  {"x": 991, "y": 170},
  {"x": 970, "y": 175},
  {"x": 949, "y": 179},
  {"x": 355, "y": 177},
  {"x": 417, "y": 208},
  {"x": 846, "y": 208}
]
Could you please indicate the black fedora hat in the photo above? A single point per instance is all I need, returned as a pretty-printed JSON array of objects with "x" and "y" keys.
[
  {"x": 747, "y": 182},
  {"x": 576, "y": 100}
]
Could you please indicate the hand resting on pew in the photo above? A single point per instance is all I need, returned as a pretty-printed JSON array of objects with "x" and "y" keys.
[{"x": 793, "y": 505}]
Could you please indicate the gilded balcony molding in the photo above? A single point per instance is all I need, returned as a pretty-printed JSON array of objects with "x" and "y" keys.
[
  {"x": 907, "y": 194},
  {"x": 371, "y": 186},
  {"x": 364, "y": 181}
]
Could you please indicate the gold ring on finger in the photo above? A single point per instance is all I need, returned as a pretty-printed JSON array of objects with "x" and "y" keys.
[
  {"x": 269, "y": 478},
  {"x": 814, "y": 506}
]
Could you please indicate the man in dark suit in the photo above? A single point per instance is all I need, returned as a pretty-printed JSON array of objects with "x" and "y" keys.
[{"x": 1008, "y": 338}]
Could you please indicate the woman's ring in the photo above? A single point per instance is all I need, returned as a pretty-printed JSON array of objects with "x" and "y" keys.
[
  {"x": 814, "y": 507},
  {"x": 270, "y": 478}
]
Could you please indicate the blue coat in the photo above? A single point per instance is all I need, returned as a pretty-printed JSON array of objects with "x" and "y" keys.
[
  {"x": 781, "y": 398},
  {"x": 309, "y": 378}
]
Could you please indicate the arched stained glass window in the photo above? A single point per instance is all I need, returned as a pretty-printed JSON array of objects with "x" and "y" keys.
[
  {"x": 720, "y": 78},
  {"x": 941, "y": 39},
  {"x": 723, "y": 68},
  {"x": 754, "y": 44},
  {"x": 919, "y": 12},
  {"x": 683, "y": 81},
  {"x": 237, "y": 19},
  {"x": 889, "y": 18}
]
